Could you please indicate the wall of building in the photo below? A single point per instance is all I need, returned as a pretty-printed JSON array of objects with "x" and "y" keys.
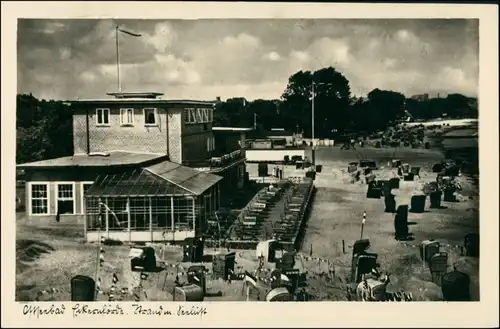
[
  {"x": 272, "y": 155},
  {"x": 117, "y": 137},
  {"x": 174, "y": 119},
  {"x": 52, "y": 177},
  {"x": 194, "y": 146},
  {"x": 194, "y": 139},
  {"x": 78, "y": 203}
]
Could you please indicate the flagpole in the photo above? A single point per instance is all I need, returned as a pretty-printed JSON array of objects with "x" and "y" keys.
[{"x": 118, "y": 59}]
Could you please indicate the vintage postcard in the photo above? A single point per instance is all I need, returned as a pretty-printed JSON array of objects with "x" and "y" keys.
[{"x": 185, "y": 164}]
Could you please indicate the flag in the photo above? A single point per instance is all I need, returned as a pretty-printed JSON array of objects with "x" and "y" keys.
[
  {"x": 130, "y": 33},
  {"x": 249, "y": 278}
]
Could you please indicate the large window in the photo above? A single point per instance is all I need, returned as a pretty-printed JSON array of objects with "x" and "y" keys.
[
  {"x": 65, "y": 198},
  {"x": 39, "y": 198},
  {"x": 192, "y": 115},
  {"x": 127, "y": 117},
  {"x": 150, "y": 117},
  {"x": 102, "y": 117}
]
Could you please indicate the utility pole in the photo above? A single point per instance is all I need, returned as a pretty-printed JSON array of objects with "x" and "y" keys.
[{"x": 312, "y": 128}]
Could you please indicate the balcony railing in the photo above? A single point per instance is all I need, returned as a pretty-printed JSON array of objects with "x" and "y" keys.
[{"x": 218, "y": 161}]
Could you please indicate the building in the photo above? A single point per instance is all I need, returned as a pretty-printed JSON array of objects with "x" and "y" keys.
[
  {"x": 274, "y": 138},
  {"x": 146, "y": 168},
  {"x": 422, "y": 97}
]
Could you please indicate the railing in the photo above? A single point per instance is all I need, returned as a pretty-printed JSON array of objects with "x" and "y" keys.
[{"x": 218, "y": 161}]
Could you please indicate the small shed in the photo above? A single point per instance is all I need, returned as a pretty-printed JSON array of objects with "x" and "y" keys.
[{"x": 267, "y": 249}]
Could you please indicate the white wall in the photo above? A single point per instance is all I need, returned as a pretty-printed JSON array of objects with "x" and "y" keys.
[
  {"x": 271, "y": 155},
  {"x": 140, "y": 236}
]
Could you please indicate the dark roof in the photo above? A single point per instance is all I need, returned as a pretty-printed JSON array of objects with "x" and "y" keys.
[
  {"x": 192, "y": 180},
  {"x": 83, "y": 160},
  {"x": 135, "y": 183},
  {"x": 135, "y": 94},
  {"x": 165, "y": 178}
]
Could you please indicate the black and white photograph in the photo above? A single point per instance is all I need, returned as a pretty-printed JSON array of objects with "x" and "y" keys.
[{"x": 247, "y": 160}]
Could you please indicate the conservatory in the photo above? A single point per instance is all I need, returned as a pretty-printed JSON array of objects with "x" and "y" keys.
[{"x": 162, "y": 202}]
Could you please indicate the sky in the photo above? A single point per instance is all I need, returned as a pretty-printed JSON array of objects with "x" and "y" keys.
[{"x": 205, "y": 59}]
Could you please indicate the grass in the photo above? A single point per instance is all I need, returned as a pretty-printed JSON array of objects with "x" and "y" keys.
[{"x": 48, "y": 257}]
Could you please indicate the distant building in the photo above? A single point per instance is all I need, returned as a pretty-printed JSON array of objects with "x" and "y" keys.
[
  {"x": 144, "y": 169},
  {"x": 273, "y": 138},
  {"x": 422, "y": 97}
]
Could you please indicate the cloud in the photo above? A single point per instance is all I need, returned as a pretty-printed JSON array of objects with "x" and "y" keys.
[
  {"x": 162, "y": 37},
  {"x": 272, "y": 56},
  {"x": 88, "y": 76},
  {"x": 242, "y": 40},
  {"x": 64, "y": 53},
  {"x": 177, "y": 70},
  {"x": 53, "y": 27},
  {"x": 206, "y": 58}
]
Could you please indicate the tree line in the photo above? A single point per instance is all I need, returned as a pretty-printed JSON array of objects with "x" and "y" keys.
[
  {"x": 336, "y": 111},
  {"x": 44, "y": 127}
]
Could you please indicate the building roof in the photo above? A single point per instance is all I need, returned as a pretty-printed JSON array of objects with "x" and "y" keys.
[
  {"x": 117, "y": 158},
  {"x": 132, "y": 183},
  {"x": 190, "y": 179},
  {"x": 142, "y": 100},
  {"x": 165, "y": 179},
  {"x": 135, "y": 94},
  {"x": 231, "y": 129}
]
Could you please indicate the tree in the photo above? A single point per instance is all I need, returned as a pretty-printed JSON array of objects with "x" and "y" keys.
[
  {"x": 266, "y": 112},
  {"x": 331, "y": 101},
  {"x": 44, "y": 129},
  {"x": 389, "y": 105}
]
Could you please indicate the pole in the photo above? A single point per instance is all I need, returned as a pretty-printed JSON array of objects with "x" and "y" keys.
[
  {"x": 118, "y": 60},
  {"x": 363, "y": 225},
  {"x": 312, "y": 126},
  {"x": 254, "y": 121}
]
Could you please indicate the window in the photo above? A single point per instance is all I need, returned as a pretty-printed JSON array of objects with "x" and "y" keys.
[
  {"x": 65, "y": 198},
  {"x": 150, "y": 117},
  {"x": 210, "y": 144},
  {"x": 198, "y": 115},
  {"x": 102, "y": 117},
  {"x": 39, "y": 199},
  {"x": 127, "y": 117}
]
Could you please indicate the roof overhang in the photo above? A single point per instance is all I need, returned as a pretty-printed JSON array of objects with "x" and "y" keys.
[
  {"x": 232, "y": 129},
  {"x": 138, "y": 100}
]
